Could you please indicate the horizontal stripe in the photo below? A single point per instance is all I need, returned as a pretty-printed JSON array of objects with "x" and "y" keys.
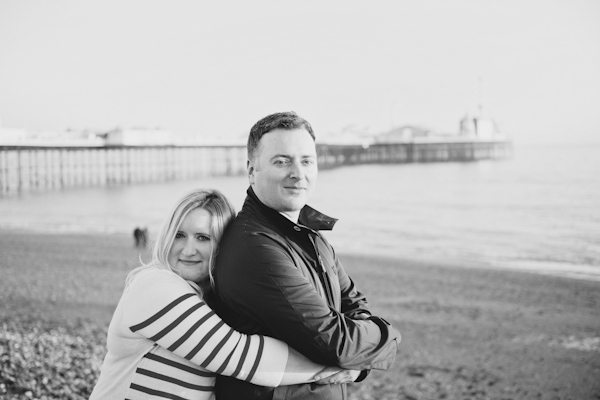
[
  {"x": 172, "y": 380},
  {"x": 228, "y": 359},
  {"x": 173, "y": 324},
  {"x": 237, "y": 371},
  {"x": 187, "y": 335},
  {"x": 154, "y": 392},
  {"x": 217, "y": 349},
  {"x": 205, "y": 339},
  {"x": 162, "y": 312},
  {"x": 261, "y": 347},
  {"x": 180, "y": 366}
]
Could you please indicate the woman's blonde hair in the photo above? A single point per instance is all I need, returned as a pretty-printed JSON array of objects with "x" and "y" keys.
[{"x": 222, "y": 213}]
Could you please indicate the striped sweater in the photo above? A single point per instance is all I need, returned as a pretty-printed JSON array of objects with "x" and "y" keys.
[{"x": 165, "y": 342}]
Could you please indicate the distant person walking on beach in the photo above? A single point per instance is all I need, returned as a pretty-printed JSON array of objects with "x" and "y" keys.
[
  {"x": 140, "y": 237},
  {"x": 277, "y": 275},
  {"x": 164, "y": 341}
]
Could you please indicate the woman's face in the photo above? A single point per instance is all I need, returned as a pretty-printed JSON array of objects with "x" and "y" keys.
[{"x": 191, "y": 250}]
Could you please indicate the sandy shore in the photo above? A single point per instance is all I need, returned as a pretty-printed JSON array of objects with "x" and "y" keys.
[{"x": 467, "y": 333}]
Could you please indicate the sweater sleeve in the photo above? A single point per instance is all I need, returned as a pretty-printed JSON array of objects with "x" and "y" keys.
[{"x": 163, "y": 308}]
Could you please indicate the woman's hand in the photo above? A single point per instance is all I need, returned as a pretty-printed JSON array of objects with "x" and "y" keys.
[{"x": 335, "y": 376}]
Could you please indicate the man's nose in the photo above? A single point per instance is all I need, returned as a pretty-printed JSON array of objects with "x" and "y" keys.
[{"x": 296, "y": 171}]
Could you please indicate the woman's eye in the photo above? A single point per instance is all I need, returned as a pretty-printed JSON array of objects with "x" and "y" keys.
[
  {"x": 179, "y": 235},
  {"x": 203, "y": 238}
]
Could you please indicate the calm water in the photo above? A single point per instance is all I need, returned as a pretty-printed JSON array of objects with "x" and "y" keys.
[{"x": 539, "y": 210}]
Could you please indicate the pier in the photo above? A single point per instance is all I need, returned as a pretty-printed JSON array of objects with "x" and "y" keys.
[{"x": 33, "y": 168}]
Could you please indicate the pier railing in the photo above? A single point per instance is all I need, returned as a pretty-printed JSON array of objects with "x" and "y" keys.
[{"x": 32, "y": 168}]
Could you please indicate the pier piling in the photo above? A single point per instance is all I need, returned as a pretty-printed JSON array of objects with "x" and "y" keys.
[{"x": 32, "y": 168}]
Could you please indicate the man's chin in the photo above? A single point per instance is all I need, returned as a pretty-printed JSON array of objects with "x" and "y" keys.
[{"x": 295, "y": 206}]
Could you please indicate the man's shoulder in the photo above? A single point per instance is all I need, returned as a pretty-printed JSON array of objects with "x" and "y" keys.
[
  {"x": 249, "y": 243},
  {"x": 247, "y": 231},
  {"x": 249, "y": 224}
]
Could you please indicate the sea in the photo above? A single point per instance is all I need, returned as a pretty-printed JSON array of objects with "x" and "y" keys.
[{"x": 537, "y": 211}]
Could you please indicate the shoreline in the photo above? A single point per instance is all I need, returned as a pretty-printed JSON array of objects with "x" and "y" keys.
[
  {"x": 548, "y": 268},
  {"x": 589, "y": 273},
  {"x": 469, "y": 333}
]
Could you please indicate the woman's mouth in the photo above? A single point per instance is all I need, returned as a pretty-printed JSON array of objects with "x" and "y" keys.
[{"x": 189, "y": 262}]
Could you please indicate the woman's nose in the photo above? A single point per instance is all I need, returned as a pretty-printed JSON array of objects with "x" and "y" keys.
[{"x": 189, "y": 248}]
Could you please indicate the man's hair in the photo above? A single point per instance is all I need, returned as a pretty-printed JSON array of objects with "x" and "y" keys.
[{"x": 284, "y": 120}]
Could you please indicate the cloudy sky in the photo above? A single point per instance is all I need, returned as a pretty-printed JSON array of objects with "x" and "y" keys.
[{"x": 214, "y": 68}]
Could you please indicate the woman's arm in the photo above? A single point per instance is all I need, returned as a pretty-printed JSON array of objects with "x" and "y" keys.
[
  {"x": 300, "y": 369},
  {"x": 161, "y": 307}
]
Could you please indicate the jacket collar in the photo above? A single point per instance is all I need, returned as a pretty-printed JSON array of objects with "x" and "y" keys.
[{"x": 309, "y": 217}]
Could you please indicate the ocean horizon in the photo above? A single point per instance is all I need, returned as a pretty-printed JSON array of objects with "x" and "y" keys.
[{"x": 538, "y": 211}]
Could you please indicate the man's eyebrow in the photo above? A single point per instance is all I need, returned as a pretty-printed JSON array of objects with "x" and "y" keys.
[
  {"x": 281, "y": 156},
  {"x": 289, "y": 157}
]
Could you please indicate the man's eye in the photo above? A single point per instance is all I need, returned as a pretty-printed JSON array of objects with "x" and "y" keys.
[{"x": 280, "y": 162}]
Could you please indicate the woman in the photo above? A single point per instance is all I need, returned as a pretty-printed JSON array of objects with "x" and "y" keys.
[{"x": 165, "y": 341}]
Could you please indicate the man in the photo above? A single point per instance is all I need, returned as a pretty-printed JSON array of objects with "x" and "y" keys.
[{"x": 277, "y": 276}]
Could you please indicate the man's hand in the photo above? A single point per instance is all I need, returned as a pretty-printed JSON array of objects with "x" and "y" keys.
[{"x": 336, "y": 375}]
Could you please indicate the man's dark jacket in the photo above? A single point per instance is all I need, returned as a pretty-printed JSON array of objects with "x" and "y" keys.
[{"x": 281, "y": 279}]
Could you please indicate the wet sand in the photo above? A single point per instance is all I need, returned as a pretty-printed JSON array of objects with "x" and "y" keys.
[{"x": 468, "y": 333}]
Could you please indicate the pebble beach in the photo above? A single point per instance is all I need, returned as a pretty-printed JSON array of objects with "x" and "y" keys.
[{"x": 467, "y": 333}]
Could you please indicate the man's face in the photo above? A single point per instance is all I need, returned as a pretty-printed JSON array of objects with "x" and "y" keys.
[{"x": 284, "y": 172}]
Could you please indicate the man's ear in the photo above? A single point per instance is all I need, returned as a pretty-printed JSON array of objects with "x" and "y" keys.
[{"x": 251, "y": 169}]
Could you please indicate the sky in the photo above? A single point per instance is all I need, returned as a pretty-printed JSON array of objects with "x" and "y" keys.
[{"x": 215, "y": 68}]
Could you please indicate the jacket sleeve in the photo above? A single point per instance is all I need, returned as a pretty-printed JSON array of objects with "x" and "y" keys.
[
  {"x": 260, "y": 282},
  {"x": 353, "y": 302}
]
